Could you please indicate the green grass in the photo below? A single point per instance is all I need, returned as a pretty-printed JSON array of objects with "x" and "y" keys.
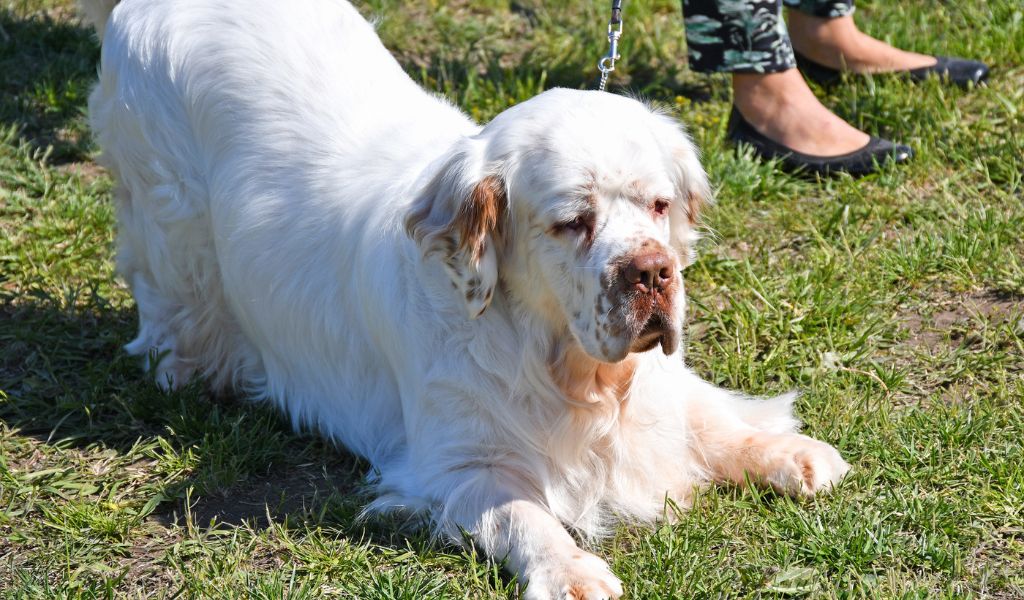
[{"x": 894, "y": 303}]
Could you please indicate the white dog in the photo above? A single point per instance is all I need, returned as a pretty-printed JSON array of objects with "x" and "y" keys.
[{"x": 490, "y": 315}]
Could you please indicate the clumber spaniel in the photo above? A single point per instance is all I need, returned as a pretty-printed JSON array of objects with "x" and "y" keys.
[{"x": 489, "y": 315}]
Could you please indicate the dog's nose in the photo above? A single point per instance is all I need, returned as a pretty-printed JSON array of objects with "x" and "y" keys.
[{"x": 649, "y": 272}]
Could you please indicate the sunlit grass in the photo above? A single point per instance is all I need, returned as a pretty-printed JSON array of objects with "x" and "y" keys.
[{"x": 894, "y": 303}]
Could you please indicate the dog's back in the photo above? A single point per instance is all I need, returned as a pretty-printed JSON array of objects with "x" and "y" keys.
[{"x": 239, "y": 131}]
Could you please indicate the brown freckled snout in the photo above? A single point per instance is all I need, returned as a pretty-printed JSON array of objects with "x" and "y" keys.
[{"x": 649, "y": 272}]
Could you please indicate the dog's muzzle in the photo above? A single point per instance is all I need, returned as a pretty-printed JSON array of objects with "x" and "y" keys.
[{"x": 647, "y": 286}]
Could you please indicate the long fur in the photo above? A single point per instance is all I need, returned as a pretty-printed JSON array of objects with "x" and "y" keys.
[{"x": 298, "y": 220}]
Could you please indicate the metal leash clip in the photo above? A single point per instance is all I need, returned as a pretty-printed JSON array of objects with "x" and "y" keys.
[{"x": 607, "y": 64}]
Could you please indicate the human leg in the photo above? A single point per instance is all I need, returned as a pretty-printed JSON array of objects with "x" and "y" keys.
[
  {"x": 782, "y": 107},
  {"x": 745, "y": 36},
  {"x": 826, "y": 33},
  {"x": 827, "y": 41},
  {"x": 749, "y": 39}
]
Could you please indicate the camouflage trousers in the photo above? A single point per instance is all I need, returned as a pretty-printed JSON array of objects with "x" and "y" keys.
[{"x": 747, "y": 36}]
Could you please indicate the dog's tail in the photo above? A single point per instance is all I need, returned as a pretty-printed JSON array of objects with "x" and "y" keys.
[{"x": 96, "y": 13}]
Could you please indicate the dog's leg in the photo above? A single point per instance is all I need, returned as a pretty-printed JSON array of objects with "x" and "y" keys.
[
  {"x": 534, "y": 546},
  {"x": 739, "y": 439},
  {"x": 156, "y": 343}
]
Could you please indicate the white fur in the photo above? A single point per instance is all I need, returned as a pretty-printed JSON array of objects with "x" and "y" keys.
[{"x": 293, "y": 218}]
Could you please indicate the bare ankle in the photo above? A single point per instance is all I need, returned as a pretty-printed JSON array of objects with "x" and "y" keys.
[
  {"x": 782, "y": 107},
  {"x": 759, "y": 95},
  {"x": 838, "y": 44},
  {"x": 831, "y": 42}
]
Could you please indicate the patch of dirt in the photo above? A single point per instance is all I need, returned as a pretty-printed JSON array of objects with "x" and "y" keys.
[
  {"x": 28, "y": 461},
  {"x": 145, "y": 567},
  {"x": 999, "y": 558},
  {"x": 938, "y": 325},
  {"x": 269, "y": 499},
  {"x": 954, "y": 316},
  {"x": 88, "y": 171}
]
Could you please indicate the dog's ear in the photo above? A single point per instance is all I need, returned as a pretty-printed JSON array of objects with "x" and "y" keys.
[
  {"x": 693, "y": 193},
  {"x": 458, "y": 217}
]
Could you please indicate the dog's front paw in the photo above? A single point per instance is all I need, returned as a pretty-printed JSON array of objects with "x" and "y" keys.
[
  {"x": 801, "y": 466},
  {"x": 576, "y": 576}
]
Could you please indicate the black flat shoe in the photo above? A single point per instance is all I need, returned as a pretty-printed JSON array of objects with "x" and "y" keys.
[
  {"x": 859, "y": 162},
  {"x": 958, "y": 71}
]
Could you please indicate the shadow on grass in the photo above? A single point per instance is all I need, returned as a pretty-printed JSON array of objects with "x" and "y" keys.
[
  {"x": 69, "y": 384},
  {"x": 47, "y": 68}
]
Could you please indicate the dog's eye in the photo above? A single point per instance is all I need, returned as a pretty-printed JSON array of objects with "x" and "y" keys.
[
  {"x": 580, "y": 223},
  {"x": 660, "y": 207}
]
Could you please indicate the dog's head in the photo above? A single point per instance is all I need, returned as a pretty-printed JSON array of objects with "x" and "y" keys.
[{"x": 583, "y": 205}]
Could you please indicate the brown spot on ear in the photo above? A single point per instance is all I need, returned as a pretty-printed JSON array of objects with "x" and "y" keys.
[
  {"x": 478, "y": 215},
  {"x": 694, "y": 205}
]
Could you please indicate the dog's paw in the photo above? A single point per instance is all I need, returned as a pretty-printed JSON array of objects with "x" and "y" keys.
[
  {"x": 578, "y": 576},
  {"x": 801, "y": 466},
  {"x": 171, "y": 372}
]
